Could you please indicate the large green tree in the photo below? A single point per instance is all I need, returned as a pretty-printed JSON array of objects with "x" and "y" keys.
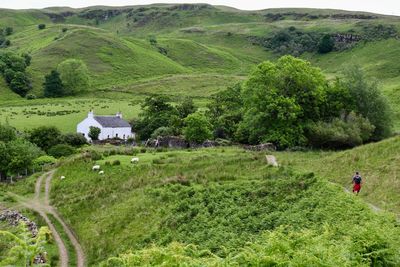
[
  {"x": 225, "y": 112},
  {"x": 197, "y": 128},
  {"x": 74, "y": 75},
  {"x": 366, "y": 99},
  {"x": 279, "y": 100},
  {"x": 45, "y": 137},
  {"x": 53, "y": 86}
]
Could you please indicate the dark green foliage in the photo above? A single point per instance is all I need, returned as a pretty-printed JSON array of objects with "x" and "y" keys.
[
  {"x": 74, "y": 139},
  {"x": 197, "y": 128},
  {"x": 17, "y": 155},
  {"x": 20, "y": 83},
  {"x": 74, "y": 75},
  {"x": 53, "y": 86},
  {"x": 161, "y": 132},
  {"x": 347, "y": 132},
  {"x": 156, "y": 113},
  {"x": 31, "y": 96},
  {"x": 186, "y": 108},
  {"x": 8, "y": 31},
  {"x": 7, "y": 133},
  {"x": 94, "y": 133},
  {"x": 45, "y": 137},
  {"x": 326, "y": 44},
  {"x": 292, "y": 41},
  {"x": 12, "y": 67},
  {"x": 61, "y": 150},
  {"x": 368, "y": 101},
  {"x": 116, "y": 162},
  {"x": 64, "y": 29},
  {"x": 279, "y": 99},
  {"x": 225, "y": 112},
  {"x": 42, "y": 26}
]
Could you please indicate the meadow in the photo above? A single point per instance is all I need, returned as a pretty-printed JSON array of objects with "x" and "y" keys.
[{"x": 216, "y": 199}]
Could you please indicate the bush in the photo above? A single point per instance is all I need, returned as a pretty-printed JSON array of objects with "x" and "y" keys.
[
  {"x": 74, "y": 139},
  {"x": 64, "y": 29},
  {"x": 42, "y": 26},
  {"x": 116, "y": 162},
  {"x": 198, "y": 128},
  {"x": 44, "y": 160},
  {"x": 161, "y": 132},
  {"x": 30, "y": 96},
  {"x": 61, "y": 150},
  {"x": 350, "y": 131},
  {"x": 95, "y": 155},
  {"x": 45, "y": 137}
]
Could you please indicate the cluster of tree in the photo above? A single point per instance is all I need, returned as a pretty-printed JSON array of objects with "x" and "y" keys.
[
  {"x": 293, "y": 41},
  {"x": 290, "y": 103},
  {"x": 70, "y": 78},
  {"x": 20, "y": 151},
  {"x": 160, "y": 118},
  {"x": 4, "y": 33},
  {"x": 13, "y": 68}
]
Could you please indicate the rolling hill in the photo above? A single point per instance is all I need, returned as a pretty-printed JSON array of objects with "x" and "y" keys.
[{"x": 128, "y": 48}]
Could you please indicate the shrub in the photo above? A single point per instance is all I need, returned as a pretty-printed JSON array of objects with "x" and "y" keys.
[
  {"x": 42, "y": 26},
  {"x": 197, "y": 129},
  {"x": 161, "y": 132},
  {"x": 61, "y": 150},
  {"x": 45, "y": 137},
  {"x": 116, "y": 162},
  {"x": 143, "y": 150},
  {"x": 64, "y": 29},
  {"x": 30, "y": 96},
  {"x": 95, "y": 155},
  {"x": 44, "y": 160},
  {"x": 94, "y": 133},
  {"x": 326, "y": 44},
  {"x": 350, "y": 131},
  {"x": 74, "y": 139},
  {"x": 107, "y": 163}
]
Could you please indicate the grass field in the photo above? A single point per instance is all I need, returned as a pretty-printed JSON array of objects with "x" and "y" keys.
[
  {"x": 207, "y": 197},
  {"x": 65, "y": 114},
  {"x": 378, "y": 163}
]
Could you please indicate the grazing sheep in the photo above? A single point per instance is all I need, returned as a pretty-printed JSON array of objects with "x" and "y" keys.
[
  {"x": 96, "y": 168},
  {"x": 135, "y": 160},
  {"x": 271, "y": 160},
  {"x": 62, "y": 177},
  {"x": 101, "y": 172}
]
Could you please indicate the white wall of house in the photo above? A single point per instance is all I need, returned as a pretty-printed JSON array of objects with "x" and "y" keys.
[
  {"x": 106, "y": 133},
  {"x": 84, "y": 127},
  {"x": 122, "y": 133}
]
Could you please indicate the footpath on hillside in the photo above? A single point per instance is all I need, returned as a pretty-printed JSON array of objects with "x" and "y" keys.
[{"x": 42, "y": 206}]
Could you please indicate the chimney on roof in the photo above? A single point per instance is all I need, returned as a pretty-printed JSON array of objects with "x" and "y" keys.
[
  {"x": 119, "y": 115},
  {"x": 90, "y": 114}
]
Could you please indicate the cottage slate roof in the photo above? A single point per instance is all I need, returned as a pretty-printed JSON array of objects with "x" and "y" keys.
[{"x": 111, "y": 121}]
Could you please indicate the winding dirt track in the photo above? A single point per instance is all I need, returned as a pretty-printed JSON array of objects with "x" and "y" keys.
[{"x": 43, "y": 207}]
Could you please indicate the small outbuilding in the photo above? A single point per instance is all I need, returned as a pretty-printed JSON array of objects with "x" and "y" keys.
[{"x": 110, "y": 127}]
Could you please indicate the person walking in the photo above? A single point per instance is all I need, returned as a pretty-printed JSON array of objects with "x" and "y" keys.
[{"x": 357, "y": 180}]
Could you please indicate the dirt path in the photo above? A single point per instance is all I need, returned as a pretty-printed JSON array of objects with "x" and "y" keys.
[
  {"x": 43, "y": 207},
  {"x": 78, "y": 248}
]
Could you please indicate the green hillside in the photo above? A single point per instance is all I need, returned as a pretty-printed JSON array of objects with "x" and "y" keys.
[
  {"x": 141, "y": 50},
  {"x": 216, "y": 199},
  {"x": 378, "y": 163}
]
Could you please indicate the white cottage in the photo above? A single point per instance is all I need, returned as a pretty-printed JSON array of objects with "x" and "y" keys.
[{"x": 110, "y": 126}]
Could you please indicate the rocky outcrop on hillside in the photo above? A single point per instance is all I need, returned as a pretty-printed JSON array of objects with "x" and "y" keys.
[
  {"x": 14, "y": 218},
  {"x": 261, "y": 147},
  {"x": 345, "y": 40}
]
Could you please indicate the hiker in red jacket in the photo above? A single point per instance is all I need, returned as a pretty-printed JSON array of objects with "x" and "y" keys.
[{"x": 357, "y": 180}]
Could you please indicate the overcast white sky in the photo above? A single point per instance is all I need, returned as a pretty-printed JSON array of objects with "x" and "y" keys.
[{"x": 391, "y": 7}]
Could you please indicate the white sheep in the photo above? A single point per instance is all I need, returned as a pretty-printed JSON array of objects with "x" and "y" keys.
[
  {"x": 135, "y": 160},
  {"x": 271, "y": 160},
  {"x": 101, "y": 172},
  {"x": 62, "y": 177},
  {"x": 96, "y": 168}
]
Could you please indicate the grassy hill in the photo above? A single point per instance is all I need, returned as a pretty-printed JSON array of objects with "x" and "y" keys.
[
  {"x": 378, "y": 163},
  {"x": 193, "y": 50},
  {"x": 218, "y": 200}
]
